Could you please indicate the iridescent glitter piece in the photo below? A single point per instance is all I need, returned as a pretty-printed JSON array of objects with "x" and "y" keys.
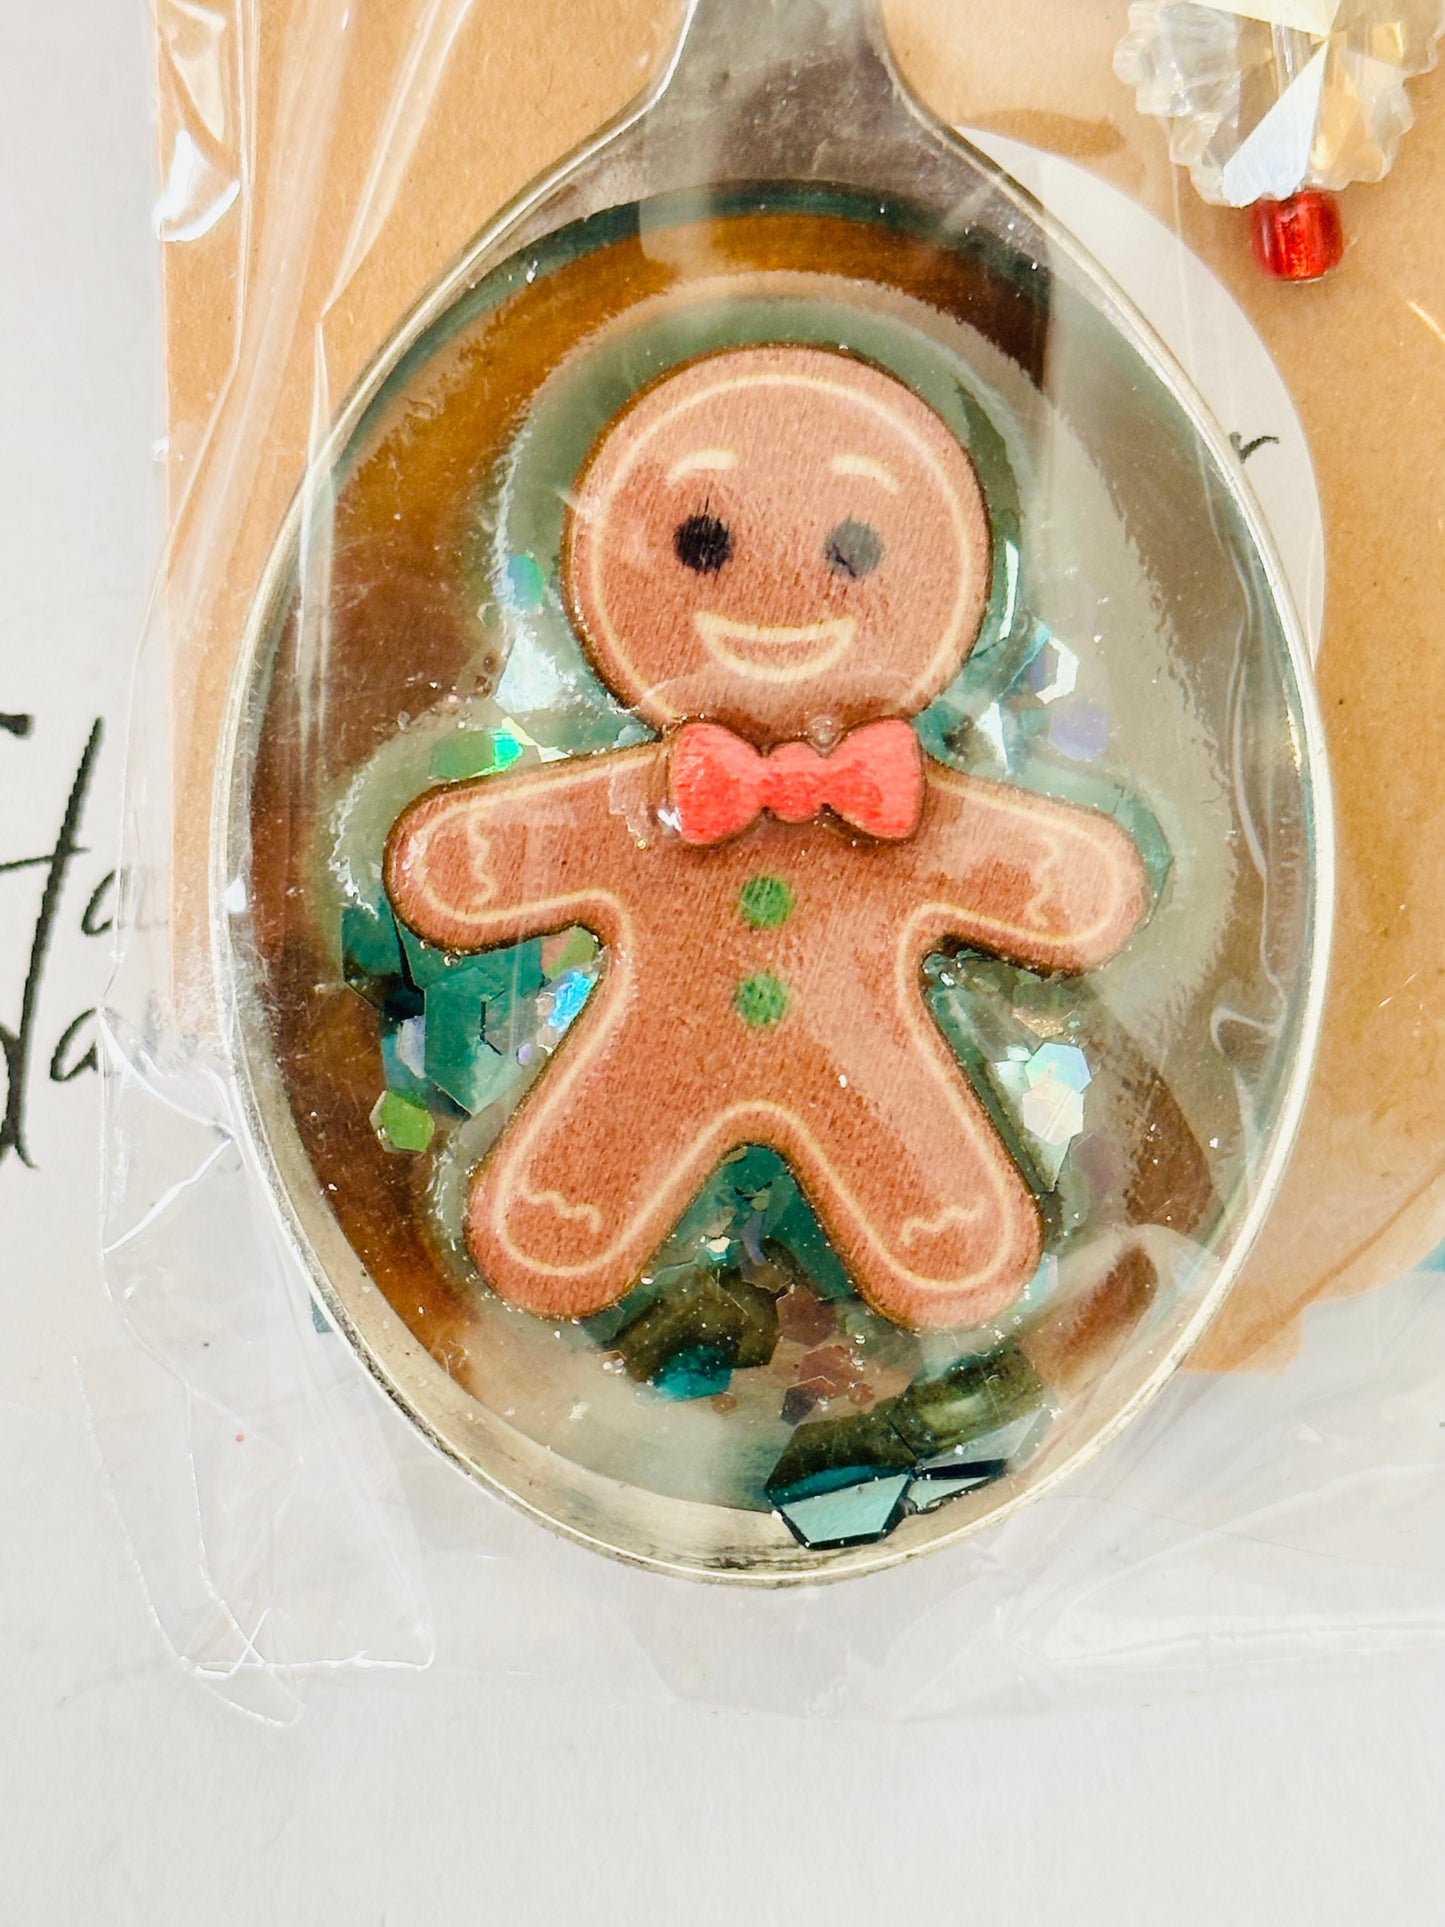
[
  {"x": 1079, "y": 730},
  {"x": 1054, "y": 672},
  {"x": 1048, "y": 1088},
  {"x": 1265, "y": 98}
]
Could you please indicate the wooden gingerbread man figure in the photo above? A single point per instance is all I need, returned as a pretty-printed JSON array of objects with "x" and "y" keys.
[{"x": 776, "y": 556}]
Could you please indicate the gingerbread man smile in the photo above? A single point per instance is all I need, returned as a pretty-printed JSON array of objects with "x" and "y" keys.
[
  {"x": 777, "y": 556},
  {"x": 775, "y": 651}
]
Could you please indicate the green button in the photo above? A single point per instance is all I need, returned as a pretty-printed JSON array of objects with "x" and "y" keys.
[
  {"x": 765, "y": 902},
  {"x": 761, "y": 1000}
]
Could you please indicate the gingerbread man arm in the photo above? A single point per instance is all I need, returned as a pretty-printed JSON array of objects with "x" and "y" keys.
[
  {"x": 1049, "y": 885},
  {"x": 505, "y": 858}
]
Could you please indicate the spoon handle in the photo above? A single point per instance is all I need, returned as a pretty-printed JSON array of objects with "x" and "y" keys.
[{"x": 824, "y": 60}]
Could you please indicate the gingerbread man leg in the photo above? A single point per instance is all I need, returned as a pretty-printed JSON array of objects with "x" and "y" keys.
[
  {"x": 909, "y": 1177},
  {"x": 590, "y": 1177}
]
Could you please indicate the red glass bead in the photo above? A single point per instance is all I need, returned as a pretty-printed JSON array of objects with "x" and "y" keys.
[{"x": 1299, "y": 239}]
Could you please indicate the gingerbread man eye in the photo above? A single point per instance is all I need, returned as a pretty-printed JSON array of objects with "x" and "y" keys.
[
  {"x": 702, "y": 543},
  {"x": 853, "y": 549}
]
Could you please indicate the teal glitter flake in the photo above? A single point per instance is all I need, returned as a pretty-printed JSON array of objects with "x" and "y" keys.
[
  {"x": 425, "y": 965},
  {"x": 829, "y": 1453},
  {"x": 850, "y": 1516},
  {"x": 978, "y": 1463},
  {"x": 370, "y": 947},
  {"x": 471, "y": 1006},
  {"x": 990, "y": 728},
  {"x": 927, "y": 1495},
  {"x": 514, "y": 973},
  {"x": 752, "y": 1202},
  {"x": 448, "y": 1023},
  {"x": 459, "y": 1060},
  {"x": 699, "y": 1372}
]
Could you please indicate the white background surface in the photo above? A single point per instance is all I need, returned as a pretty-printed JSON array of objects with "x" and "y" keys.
[{"x": 131, "y": 1792}]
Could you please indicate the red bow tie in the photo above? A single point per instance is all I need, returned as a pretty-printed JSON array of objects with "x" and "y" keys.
[{"x": 873, "y": 779}]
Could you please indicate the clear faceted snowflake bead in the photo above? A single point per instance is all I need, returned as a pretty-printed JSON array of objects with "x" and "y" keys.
[{"x": 1264, "y": 98}]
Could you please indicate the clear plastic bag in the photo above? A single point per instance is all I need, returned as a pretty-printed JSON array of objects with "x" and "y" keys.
[{"x": 322, "y": 1062}]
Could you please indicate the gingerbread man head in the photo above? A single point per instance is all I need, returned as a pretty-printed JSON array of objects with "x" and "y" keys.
[{"x": 783, "y": 540}]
